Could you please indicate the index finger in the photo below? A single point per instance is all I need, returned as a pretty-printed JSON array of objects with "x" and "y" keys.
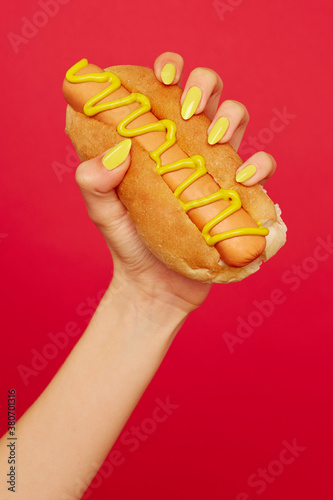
[{"x": 168, "y": 68}]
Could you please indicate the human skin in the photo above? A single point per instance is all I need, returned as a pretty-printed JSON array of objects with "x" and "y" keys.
[{"x": 82, "y": 411}]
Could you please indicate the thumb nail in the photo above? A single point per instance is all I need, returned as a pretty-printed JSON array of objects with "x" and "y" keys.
[{"x": 117, "y": 155}]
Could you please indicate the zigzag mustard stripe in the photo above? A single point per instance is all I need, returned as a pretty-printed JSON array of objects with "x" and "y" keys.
[{"x": 196, "y": 162}]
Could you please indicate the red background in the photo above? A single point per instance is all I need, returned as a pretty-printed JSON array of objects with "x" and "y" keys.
[{"x": 237, "y": 409}]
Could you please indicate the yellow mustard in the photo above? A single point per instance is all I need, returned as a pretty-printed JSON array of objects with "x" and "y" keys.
[{"x": 196, "y": 162}]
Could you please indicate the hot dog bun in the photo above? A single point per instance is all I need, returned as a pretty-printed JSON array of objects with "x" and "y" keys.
[{"x": 160, "y": 219}]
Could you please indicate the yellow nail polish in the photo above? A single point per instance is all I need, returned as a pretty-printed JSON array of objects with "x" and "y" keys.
[
  {"x": 218, "y": 130},
  {"x": 191, "y": 103},
  {"x": 117, "y": 155},
  {"x": 246, "y": 173},
  {"x": 168, "y": 73}
]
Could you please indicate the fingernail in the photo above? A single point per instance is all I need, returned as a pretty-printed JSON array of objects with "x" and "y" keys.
[
  {"x": 218, "y": 130},
  {"x": 168, "y": 73},
  {"x": 115, "y": 156},
  {"x": 191, "y": 103},
  {"x": 246, "y": 173}
]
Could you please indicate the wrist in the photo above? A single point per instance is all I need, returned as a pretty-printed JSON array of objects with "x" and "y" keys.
[{"x": 148, "y": 303}]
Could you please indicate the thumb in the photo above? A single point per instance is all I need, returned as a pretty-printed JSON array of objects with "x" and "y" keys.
[{"x": 97, "y": 179}]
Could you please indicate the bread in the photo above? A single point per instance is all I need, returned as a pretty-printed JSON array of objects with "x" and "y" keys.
[{"x": 160, "y": 220}]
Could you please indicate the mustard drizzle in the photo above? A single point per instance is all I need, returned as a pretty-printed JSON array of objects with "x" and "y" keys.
[{"x": 196, "y": 162}]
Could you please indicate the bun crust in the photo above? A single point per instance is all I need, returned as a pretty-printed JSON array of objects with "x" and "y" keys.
[{"x": 158, "y": 216}]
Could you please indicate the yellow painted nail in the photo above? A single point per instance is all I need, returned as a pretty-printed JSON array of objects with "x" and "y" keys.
[
  {"x": 115, "y": 156},
  {"x": 246, "y": 173},
  {"x": 191, "y": 103},
  {"x": 168, "y": 73},
  {"x": 218, "y": 130}
]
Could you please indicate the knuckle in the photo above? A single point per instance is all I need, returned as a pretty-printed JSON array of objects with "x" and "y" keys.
[
  {"x": 82, "y": 177},
  {"x": 266, "y": 163},
  {"x": 265, "y": 158},
  {"x": 201, "y": 72},
  {"x": 173, "y": 57},
  {"x": 241, "y": 109},
  {"x": 170, "y": 54}
]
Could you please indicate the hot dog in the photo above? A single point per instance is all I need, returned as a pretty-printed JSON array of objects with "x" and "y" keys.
[{"x": 205, "y": 234}]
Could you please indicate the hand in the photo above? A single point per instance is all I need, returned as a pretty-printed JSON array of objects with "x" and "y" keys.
[
  {"x": 137, "y": 273},
  {"x": 232, "y": 116}
]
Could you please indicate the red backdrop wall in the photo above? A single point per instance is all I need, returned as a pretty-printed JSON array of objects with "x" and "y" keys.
[{"x": 249, "y": 418}]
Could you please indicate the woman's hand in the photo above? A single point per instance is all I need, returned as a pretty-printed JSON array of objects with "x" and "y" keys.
[
  {"x": 229, "y": 120},
  {"x": 138, "y": 275},
  {"x": 118, "y": 354}
]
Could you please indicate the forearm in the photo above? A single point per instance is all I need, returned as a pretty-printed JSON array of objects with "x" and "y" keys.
[{"x": 76, "y": 420}]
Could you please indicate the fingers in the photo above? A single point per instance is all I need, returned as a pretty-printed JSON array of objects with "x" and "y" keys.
[
  {"x": 229, "y": 124},
  {"x": 202, "y": 90},
  {"x": 256, "y": 170},
  {"x": 168, "y": 68},
  {"x": 201, "y": 93},
  {"x": 97, "y": 179}
]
